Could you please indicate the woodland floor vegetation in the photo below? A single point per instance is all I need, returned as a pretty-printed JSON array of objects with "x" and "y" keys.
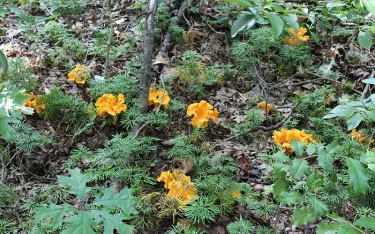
[{"x": 259, "y": 116}]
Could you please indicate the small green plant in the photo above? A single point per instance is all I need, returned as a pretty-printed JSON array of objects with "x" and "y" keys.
[
  {"x": 240, "y": 226},
  {"x": 71, "y": 110},
  {"x": 7, "y": 226},
  {"x": 65, "y": 7},
  {"x": 202, "y": 210},
  {"x": 20, "y": 74},
  {"x": 116, "y": 85},
  {"x": 105, "y": 213},
  {"x": 254, "y": 118}
]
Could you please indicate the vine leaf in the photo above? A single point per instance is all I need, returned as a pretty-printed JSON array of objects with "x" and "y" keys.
[
  {"x": 55, "y": 211},
  {"x": 80, "y": 224},
  {"x": 76, "y": 182}
]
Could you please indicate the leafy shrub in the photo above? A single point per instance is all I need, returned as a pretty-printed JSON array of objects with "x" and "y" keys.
[{"x": 105, "y": 212}]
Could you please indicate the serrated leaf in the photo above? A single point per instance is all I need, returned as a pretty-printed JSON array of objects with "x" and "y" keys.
[
  {"x": 366, "y": 222},
  {"x": 276, "y": 22},
  {"x": 281, "y": 185},
  {"x": 345, "y": 228},
  {"x": 319, "y": 207},
  {"x": 311, "y": 149},
  {"x": 298, "y": 147},
  {"x": 114, "y": 222},
  {"x": 299, "y": 168},
  {"x": 325, "y": 160},
  {"x": 365, "y": 39},
  {"x": 357, "y": 176},
  {"x": 280, "y": 156},
  {"x": 292, "y": 21},
  {"x": 76, "y": 182},
  {"x": 289, "y": 198},
  {"x": 244, "y": 21},
  {"x": 55, "y": 211},
  {"x": 81, "y": 223},
  {"x": 314, "y": 181},
  {"x": 303, "y": 216},
  {"x": 123, "y": 200},
  {"x": 280, "y": 169},
  {"x": 369, "y": 159},
  {"x": 325, "y": 228},
  {"x": 354, "y": 121}
]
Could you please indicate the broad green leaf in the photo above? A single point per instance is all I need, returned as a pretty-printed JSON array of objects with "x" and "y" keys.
[
  {"x": 354, "y": 121},
  {"x": 245, "y": 3},
  {"x": 244, "y": 21},
  {"x": 341, "y": 111},
  {"x": 365, "y": 39},
  {"x": 303, "y": 216},
  {"x": 280, "y": 169},
  {"x": 81, "y": 223},
  {"x": 280, "y": 156},
  {"x": 314, "y": 181},
  {"x": 345, "y": 228},
  {"x": 299, "y": 168},
  {"x": 325, "y": 228},
  {"x": 357, "y": 176},
  {"x": 281, "y": 185},
  {"x": 370, "y": 6},
  {"x": 3, "y": 64},
  {"x": 76, "y": 182},
  {"x": 335, "y": 4},
  {"x": 123, "y": 200},
  {"x": 114, "y": 222},
  {"x": 298, "y": 147},
  {"x": 21, "y": 14},
  {"x": 276, "y": 22},
  {"x": 372, "y": 97},
  {"x": 292, "y": 21},
  {"x": 319, "y": 207},
  {"x": 311, "y": 149},
  {"x": 325, "y": 160},
  {"x": 366, "y": 222},
  {"x": 369, "y": 159},
  {"x": 369, "y": 81},
  {"x": 56, "y": 212},
  {"x": 315, "y": 37},
  {"x": 289, "y": 198}
]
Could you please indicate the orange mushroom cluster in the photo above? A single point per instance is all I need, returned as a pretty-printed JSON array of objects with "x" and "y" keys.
[
  {"x": 158, "y": 97},
  {"x": 179, "y": 185},
  {"x": 202, "y": 112},
  {"x": 264, "y": 107},
  {"x": 284, "y": 138},
  {"x": 80, "y": 74},
  {"x": 108, "y": 104},
  {"x": 296, "y": 37},
  {"x": 32, "y": 103},
  {"x": 360, "y": 137}
]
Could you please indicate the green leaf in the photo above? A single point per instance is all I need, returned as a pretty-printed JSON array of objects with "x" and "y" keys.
[
  {"x": 123, "y": 200},
  {"x": 366, "y": 222},
  {"x": 280, "y": 169},
  {"x": 276, "y": 22},
  {"x": 365, "y": 39},
  {"x": 280, "y": 156},
  {"x": 77, "y": 183},
  {"x": 303, "y": 216},
  {"x": 370, "y": 6},
  {"x": 289, "y": 198},
  {"x": 319, "y": 207},
  {"x": 340, "y": 111},
  {"x": 369, "y": 159},
  {"x": 354, "y": 121},
  {"x": 345, "y": 228},
  {"x": 21, "y": 14},
  {"x": 315, "y": 37},
  {"x": 55, "y": 211},
  {"x": 325, "y": 160},
  {"x": 244, "y": 21},
  {"x": 114, "y": 222},
  {"x": 357, "y": 176},
  {"x": 314, "y": 181},
  {"x": 80, "y": 224},
  {"x": 325, "y": 228},
  {"x": 298, "y": 147},
  {"x": 299, "y": 168},
  {"x": 3, "y": 64},
  {"x": 311, "y": 149},
  {"x": 245, "y": 3},
  {"x": 281, "y": 185},
  {"x": 292, "y": 21}
]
